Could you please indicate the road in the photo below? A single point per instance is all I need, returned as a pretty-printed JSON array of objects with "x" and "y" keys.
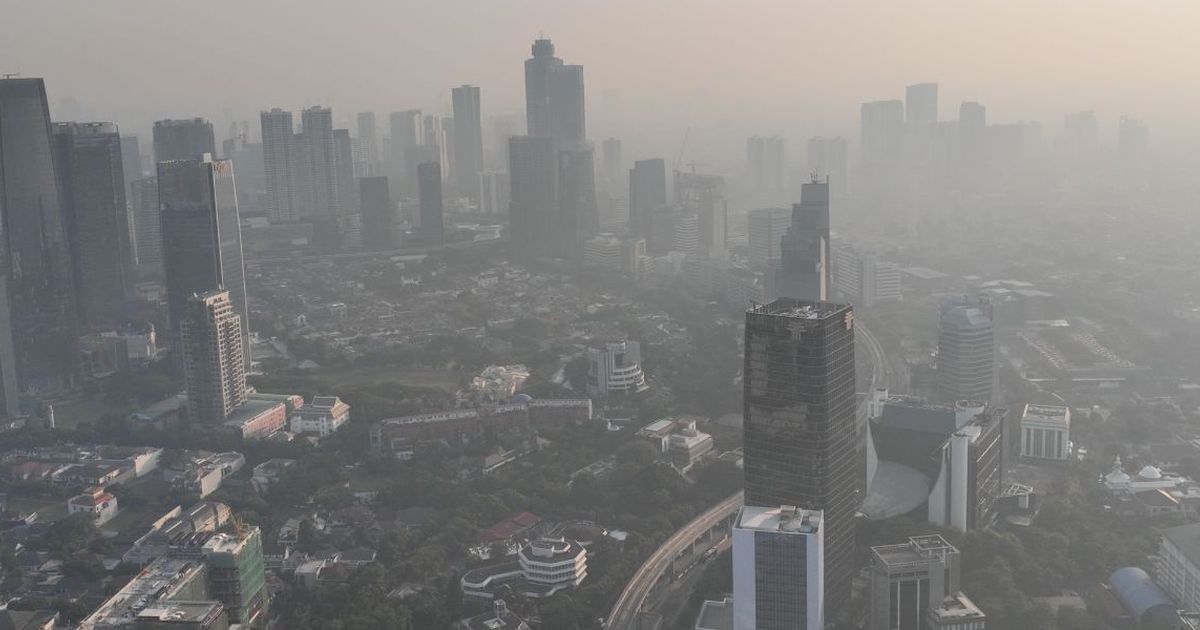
[{"x": 624, "y": 612}]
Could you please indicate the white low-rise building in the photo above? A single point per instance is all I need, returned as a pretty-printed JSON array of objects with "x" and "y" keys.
[
  {"x": 323, "y": 416},
  {"x": 541, "y": 568},
  {"x": 1046, "y": 432},
  {"x": 100, "y": 504}
]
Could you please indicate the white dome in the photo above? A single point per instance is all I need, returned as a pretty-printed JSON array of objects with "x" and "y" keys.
[{"x": 1150, "y": 472}]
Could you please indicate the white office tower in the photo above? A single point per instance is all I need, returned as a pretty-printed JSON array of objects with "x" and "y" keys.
[{"x": 778, "y": 569}]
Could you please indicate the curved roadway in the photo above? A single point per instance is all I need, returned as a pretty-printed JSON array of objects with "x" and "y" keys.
[{"x": 624, "y": 612}]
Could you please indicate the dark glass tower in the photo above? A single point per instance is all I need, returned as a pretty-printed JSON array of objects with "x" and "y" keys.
[
  {"x": 532, "y": 212},
  {"x": 429, "y": 184},
  {"x": 468, "y": 139},
  {"x": 647, "y": 193},
  {"x": 91, "y": 173},
  {"x": 202, "y": 238},
  {"x": 183, "y": 139},
  {"x": 554, "y": 97},
  {"x": 578, "y": 215},
  {"x": 378, "y": 213},
  {"x": 804, "y": 250},
  {"x": 800, "y": 434},
  {"x": 38, "y": 337}
]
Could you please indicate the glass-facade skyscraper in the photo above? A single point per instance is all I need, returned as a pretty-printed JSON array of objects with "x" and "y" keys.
[
  {"x": 91, "y": 175},
  {"x": 804, "y": 249},
  {"x": 799, "y": 423},
  {"x": 202, "y": 237},
  {"x": 187, "y": 139},
  {"x": 38, "y": 339}
]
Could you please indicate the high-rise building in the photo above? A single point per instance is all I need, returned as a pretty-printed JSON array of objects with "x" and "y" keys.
[
  {"x": 92, "y": 179},
  {"x": 828, "y": 160},
  {"x": 368, "y": 136},
  {"x": 378, "y": 213},
  {"x": 578, "y": 215},
  {"x": 131, "y": 160},
  {"x": 804, "y": 251},
  {"x": 778, "y": 569},
  {"x": 407, "y": 134},
  {"x": 533, "y": 216},
  {"x": 910, "y": 579},
  {"x": 972, "y": 132},
  {"x": 237, "y": 575},
  {"x": 493, "y": 192},
  {"x": 703, "y": 196},
  {"x": 647, "y": 193},
  {"x": 615, "y": 366},
  {"x": 188, "y": 139},
  {"x": 214, "y": 366},
  {"x": 318, "y": 164},
  {"x": 250, "y": 166},
  {"x": 429, "y": 181},
  {"x": 280, "y": 162},
  {"x": 882, "y": 131},
  {"x": 147, "y": 227},
  {"x": 554, "y": 97},
  {"x": 801, "y": 439},
  {"x": 201, "y": 238},
  {"x": 614, "y": 167},
  {"x": 921, "y": 103},
  {"x": 468, "y": 139},
  {"x": 863, "y": 278},
  {"x": 346, "y": 190},
  {"x": 766, "y": 162},
  {"x": 38, "y": 348},
  {"x": 765, "y": 229},
  {"x": 966, "y": 350},
  {"x": 1133, "y": 138}
]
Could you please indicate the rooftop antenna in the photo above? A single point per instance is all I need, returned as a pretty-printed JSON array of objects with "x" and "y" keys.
[{"x": 10, "y": 75}]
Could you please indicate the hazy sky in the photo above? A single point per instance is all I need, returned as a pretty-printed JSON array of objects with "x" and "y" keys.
[{"x": 724, "y": 66}]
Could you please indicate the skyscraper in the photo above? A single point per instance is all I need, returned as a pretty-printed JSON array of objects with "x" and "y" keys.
[
  {"x": 1133, "y": 138},
  {"x": 647, "y": 193},
  {"x": 183, "y": 139},
  {"x": 279, "y": 160},
  {"x": 38, "y": 348},
  {"x": 966, "y": 351},
  {"x": 202, "y": 238},
  {"x": 764, "y": 233},
  {"x": 828, "y": 159},
  {"x": 799, "y": 424},
  {"x": 131, "y": 160},
  {"x": 882, "y": 131},
  {"x": 318, "y": 167},
  {"x": 578, "y": 215},
  {"x": 614, "y": 167},
  {"x": 429, "y": 181},
  {"x": 407, "y": 133},
  {"x": 765, "y": 162},
  {"x": 778, "y": 569},
  {"x": 147, "y": 227},
  {"x": 554, "y": 97},
  {"x": 92, "y": 179},
  {"x": 910, "y": 579},
  {"x": 533, "y": 217},
  {"x": 921, "y": 103},
  {"x": 468, "y": 140},
  {"x": 804, "y": 250},
  {"x": 368, "y": 136},
  {"x": 972, "y": 130},
  {"x": 346, "y": 191},
  {"x": 378, "y": 213},
  {"x": 214, "y": 366}
]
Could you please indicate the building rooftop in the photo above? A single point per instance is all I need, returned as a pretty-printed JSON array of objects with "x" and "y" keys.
[
  {"x": 716, "y": 615},
  {"x": 786, "y": 519},
  {"x": 1047, "y": 413},
  {"x": 157, "y": 582},
  {"x": 1187, "y": 539},
  {"x": 799, "y": 309},
  {"x": 181, "y": 611},
  {"x": 918, "y": 550},
  {"x": 957, "y": 607}
]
